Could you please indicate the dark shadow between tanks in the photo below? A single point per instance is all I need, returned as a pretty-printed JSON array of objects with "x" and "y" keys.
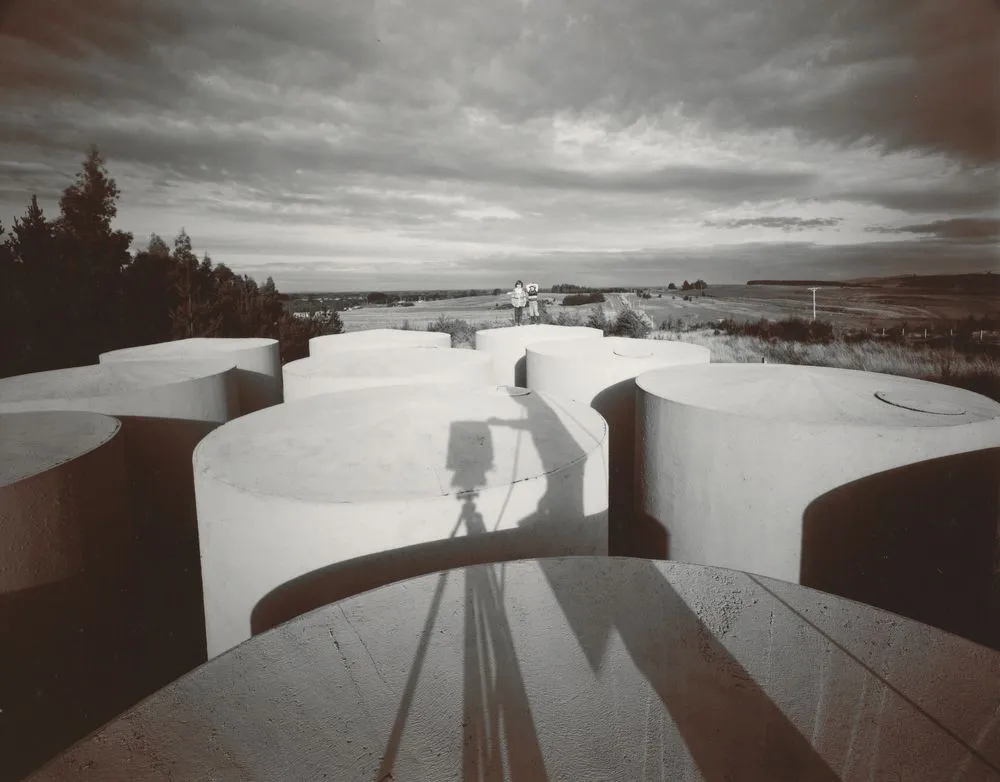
[
  {"x": 521, "y": 372},
  {"x": 66, "y": 646},
  {"x": 257, "y": 390},
  {"x": 920, "y": 541},
  {"x": 617, "y": 405},
  {"x": 78, "y": 653},
  {"x": 167, "y": 610}
]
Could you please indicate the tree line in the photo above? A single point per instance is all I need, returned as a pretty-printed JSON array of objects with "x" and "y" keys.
[{"x": 71, "y": 287}]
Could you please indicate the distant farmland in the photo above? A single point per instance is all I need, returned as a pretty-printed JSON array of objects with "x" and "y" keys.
[{"x": 846, "y": 307}]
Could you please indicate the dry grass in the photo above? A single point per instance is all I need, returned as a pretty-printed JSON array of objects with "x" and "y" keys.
[{"x": 977, "y": 373}]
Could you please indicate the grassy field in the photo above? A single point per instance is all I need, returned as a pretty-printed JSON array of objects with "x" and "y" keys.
[
  {"x": 478, "y": 310},
  {"x": 845, "y": 307},
  {"x": 976, "y": 373},
  {"x": 691, "y": 320}
]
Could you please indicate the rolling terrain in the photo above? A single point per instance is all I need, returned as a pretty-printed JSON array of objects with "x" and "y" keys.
[{"x": 858, "y": 306}]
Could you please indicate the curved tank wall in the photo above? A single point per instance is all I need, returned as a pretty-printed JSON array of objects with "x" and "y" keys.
[
  {"x": 165, "y": 408},
  {"x": 414, "y": 479},
  {"x": 351, "y": 369},
  {"x": 508, "y": 346},
  {"x": 602, "y": 373},
  {"x": 257, "y": 362},
  {"x": 733, "y": 455},
  {"x": 64, "y": 556},
  {"x": 370, "y": 339},
  {"x": 572, "y": 669}
]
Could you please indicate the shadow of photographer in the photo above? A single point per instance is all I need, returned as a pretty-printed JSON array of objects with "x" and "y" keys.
[{"x": 727, "y": 722}]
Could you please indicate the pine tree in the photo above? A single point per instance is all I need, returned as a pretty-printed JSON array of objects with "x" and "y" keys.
[
  {"x": 91, "y": 257},
  {"x": 40, "y": 290}
]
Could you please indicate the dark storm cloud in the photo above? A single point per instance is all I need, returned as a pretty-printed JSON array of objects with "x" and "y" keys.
[
  {"x": 968, "y": 191},
  {"x": 900, "y": 74},
  {"x": 738, "y": 263},
  {"x": 718, "y": 265},
  {"x": 787, "y": 224},
  {"x": 47, "y": 42},
  {"x": 214, "y": 107},
  {"x": 961, "y": 229},
  {"x": 202, "y": 152}
]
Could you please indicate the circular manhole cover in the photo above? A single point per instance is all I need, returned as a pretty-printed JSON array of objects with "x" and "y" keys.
[
  {"x": 632, "y": 351},
  {"x": 931, "y": 406}
]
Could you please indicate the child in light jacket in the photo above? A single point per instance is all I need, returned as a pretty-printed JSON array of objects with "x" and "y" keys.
[{"x": 518, "y": 298}]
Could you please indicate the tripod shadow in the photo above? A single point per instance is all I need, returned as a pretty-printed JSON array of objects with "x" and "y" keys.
[
  {"x": 727, "y": 722},
  {"x": 729, "y": 725}
]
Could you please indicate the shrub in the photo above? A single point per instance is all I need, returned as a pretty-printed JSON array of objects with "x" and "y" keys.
[
  {"x": 598, "y": 320},
  {"x": 788, "y": 330},
  {"x": 562, "y": 319},
  {"x": 632, "y": 323},
  {"x": 576, "y": 299},
  {"x": 461, "y": 331}
]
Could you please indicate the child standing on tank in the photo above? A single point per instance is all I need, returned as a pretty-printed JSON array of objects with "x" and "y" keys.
[
  {"x": 518, "y": 298},
  {"x": 532, "y": 288}
]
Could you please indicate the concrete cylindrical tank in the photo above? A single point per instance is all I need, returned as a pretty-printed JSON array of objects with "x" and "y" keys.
[
  {"x": 385, "y": 367},
  {"x": 64, "y": 546},
  {"x": 578, "y": 668},
  {"x": 411, "y": 479},
  {"x": 371, "y": 339},
  {"x": 601, "y": 373},
  {"x": 257, "y": 362},
  {"x": 508, "y": 346},
  {"x": 165, "y": 408},
  {"x": 735, "y": 457}
]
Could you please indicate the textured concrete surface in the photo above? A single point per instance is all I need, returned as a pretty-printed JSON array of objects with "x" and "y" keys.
[
  {"x": 734, "y": 454},
  {"x": 257, "y": 362},
  {"x": 165, "y": 408},
  {"x": 572, "y": 669},
  {"x": 601, "y": 373},
  {"x": 414, "y": 479},
  {"x": 194, "y": 390},
  {"x": 65, "y": 535},
  {"x": 45, "y": 458},
  {"x": 371, "y": 339},
  {"x": 354, "y": 369},
  {"x": 508, "y": 347}
]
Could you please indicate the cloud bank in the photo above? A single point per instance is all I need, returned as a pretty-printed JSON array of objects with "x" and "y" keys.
[{"x": 406, "y": 144}]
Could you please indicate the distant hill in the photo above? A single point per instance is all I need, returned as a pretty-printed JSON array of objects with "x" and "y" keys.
[
  {"x": 810, "y": 283},
  {"x": 961, "y": 283},
  {"x": 964, "y": 283}
]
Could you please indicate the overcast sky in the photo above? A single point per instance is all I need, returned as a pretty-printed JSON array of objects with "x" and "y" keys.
[{"x": 448, "y": 143}]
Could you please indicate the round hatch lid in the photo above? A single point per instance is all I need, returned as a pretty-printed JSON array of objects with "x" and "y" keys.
[
  {"x": 918, "y": 403},
  {"x": 628, "y": 350}
]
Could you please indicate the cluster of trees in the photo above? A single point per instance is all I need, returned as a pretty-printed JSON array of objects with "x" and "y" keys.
[
  {"x": 376, "y": 297},
  {"x": 70, "y": 287},
  {"x": 405, "y": 298},
  {"x": 697, "y": 285},
  {"x": 576, "y": 299},
  {"x": 786, "y": 330},
  {"x": 565, "y": 287}
]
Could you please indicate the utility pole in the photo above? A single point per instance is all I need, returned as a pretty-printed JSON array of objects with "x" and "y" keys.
[{"x": 814, "y": 301}]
